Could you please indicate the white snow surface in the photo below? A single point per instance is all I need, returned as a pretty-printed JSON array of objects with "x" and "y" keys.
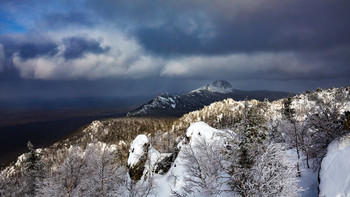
[
  {"x": 308, "y": 181},
  {"x": 335, "y": 169},
  {"x": 200, "y": 130}
]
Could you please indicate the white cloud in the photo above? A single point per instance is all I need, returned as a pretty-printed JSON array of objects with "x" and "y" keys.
[
  {"x": 125, "y": 59},
  {"x": 2, "y": 57},
  {"x": 91, "y": 67}
]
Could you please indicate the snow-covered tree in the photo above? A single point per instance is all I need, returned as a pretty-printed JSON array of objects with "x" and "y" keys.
[
  {"x": 256, "y": 168},
  {"x": 24, "y": 178},
  {"x": 293, "y": 130},
  {"x": 272, "y": 174},
  {"x": 252, "y": 131},
  {"x": 68, "y": 179},
  {"x": 32, "y": 173},
  {"x": 32, "y": 170},
  {"x": 93, "y": 171},
  {"x": 325, "y": 124},
  {"x": 107, "y": 175},
  {"x": 205, "y": 174}
]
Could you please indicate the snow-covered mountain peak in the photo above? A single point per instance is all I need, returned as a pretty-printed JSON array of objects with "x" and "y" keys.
[
  {"x": 165, "y": 104},
  {"x": 220, "y": 86}
]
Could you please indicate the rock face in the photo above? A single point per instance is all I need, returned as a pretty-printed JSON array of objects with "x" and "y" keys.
[
  {"x": 335, "y": 168},
  {"x": 165, "y": 105},
  {"x": 164, "y": 165},
  {"x": 138, "y": 155},
  {"x": 347, "y": 120},
  {"x": 143, "y": 158}
]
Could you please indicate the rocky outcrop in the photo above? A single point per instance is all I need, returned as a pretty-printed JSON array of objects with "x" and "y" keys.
[
  {"x": 138, "y": 155},
  {"x": 165, "y": 164}
]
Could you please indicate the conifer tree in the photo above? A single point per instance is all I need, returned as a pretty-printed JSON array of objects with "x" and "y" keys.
[
  {"x": 253, "y": 133},
  {"x": 32, "y": 171}
]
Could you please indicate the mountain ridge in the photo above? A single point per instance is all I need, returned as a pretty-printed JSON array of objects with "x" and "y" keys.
[{"x": 167, "y": 105}]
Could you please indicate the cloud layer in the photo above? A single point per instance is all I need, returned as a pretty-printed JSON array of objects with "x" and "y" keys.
[{"x": 274, "y": 41}]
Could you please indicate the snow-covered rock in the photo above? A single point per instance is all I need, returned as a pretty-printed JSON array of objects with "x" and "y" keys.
[
  {"x": 201, "y": 130},
  {"x": 138, "y": 155},
  {"x": 142, "y": 157},
  {"x": 178, "y": 174},
  {"x": 138, "y": 148},
  {"x": 335, "y": 169}
]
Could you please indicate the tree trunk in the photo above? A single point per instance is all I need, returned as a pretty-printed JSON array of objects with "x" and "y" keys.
[
  {"x": 297, "y": 147},
  {"x": 102, "y": 187}
]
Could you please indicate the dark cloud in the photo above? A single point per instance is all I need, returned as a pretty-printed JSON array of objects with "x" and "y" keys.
[
  {"x": 65, "y": 19},
  {"x": 27, "y": 46},
  {"x": 168, "y": 41},
  {"x": 237, "y": 26},
  {"x": 215, "y": 27},
  {"x": 33, "y": 50},
  {"x": 285, "y": 26},
  {"x": 277, "y": 43},
  {"x": 125, "y": 13},
  {"x": 76, "y": 47}
]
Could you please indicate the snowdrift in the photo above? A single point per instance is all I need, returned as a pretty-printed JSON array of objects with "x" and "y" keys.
[{"x": 335, "y": 169}]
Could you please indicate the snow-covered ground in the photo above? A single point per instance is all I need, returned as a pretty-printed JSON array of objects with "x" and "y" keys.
[
  {"x": 335, "y": 169},
  {"x": 334, "y": 173},
  {"x": 308, "y": 181}
]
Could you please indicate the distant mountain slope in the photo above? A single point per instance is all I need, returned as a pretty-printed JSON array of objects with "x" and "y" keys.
[{"x": 176, "y": 105}]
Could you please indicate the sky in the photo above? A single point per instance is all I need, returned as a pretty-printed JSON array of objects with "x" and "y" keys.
[{"x": 122, "y": 48}]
